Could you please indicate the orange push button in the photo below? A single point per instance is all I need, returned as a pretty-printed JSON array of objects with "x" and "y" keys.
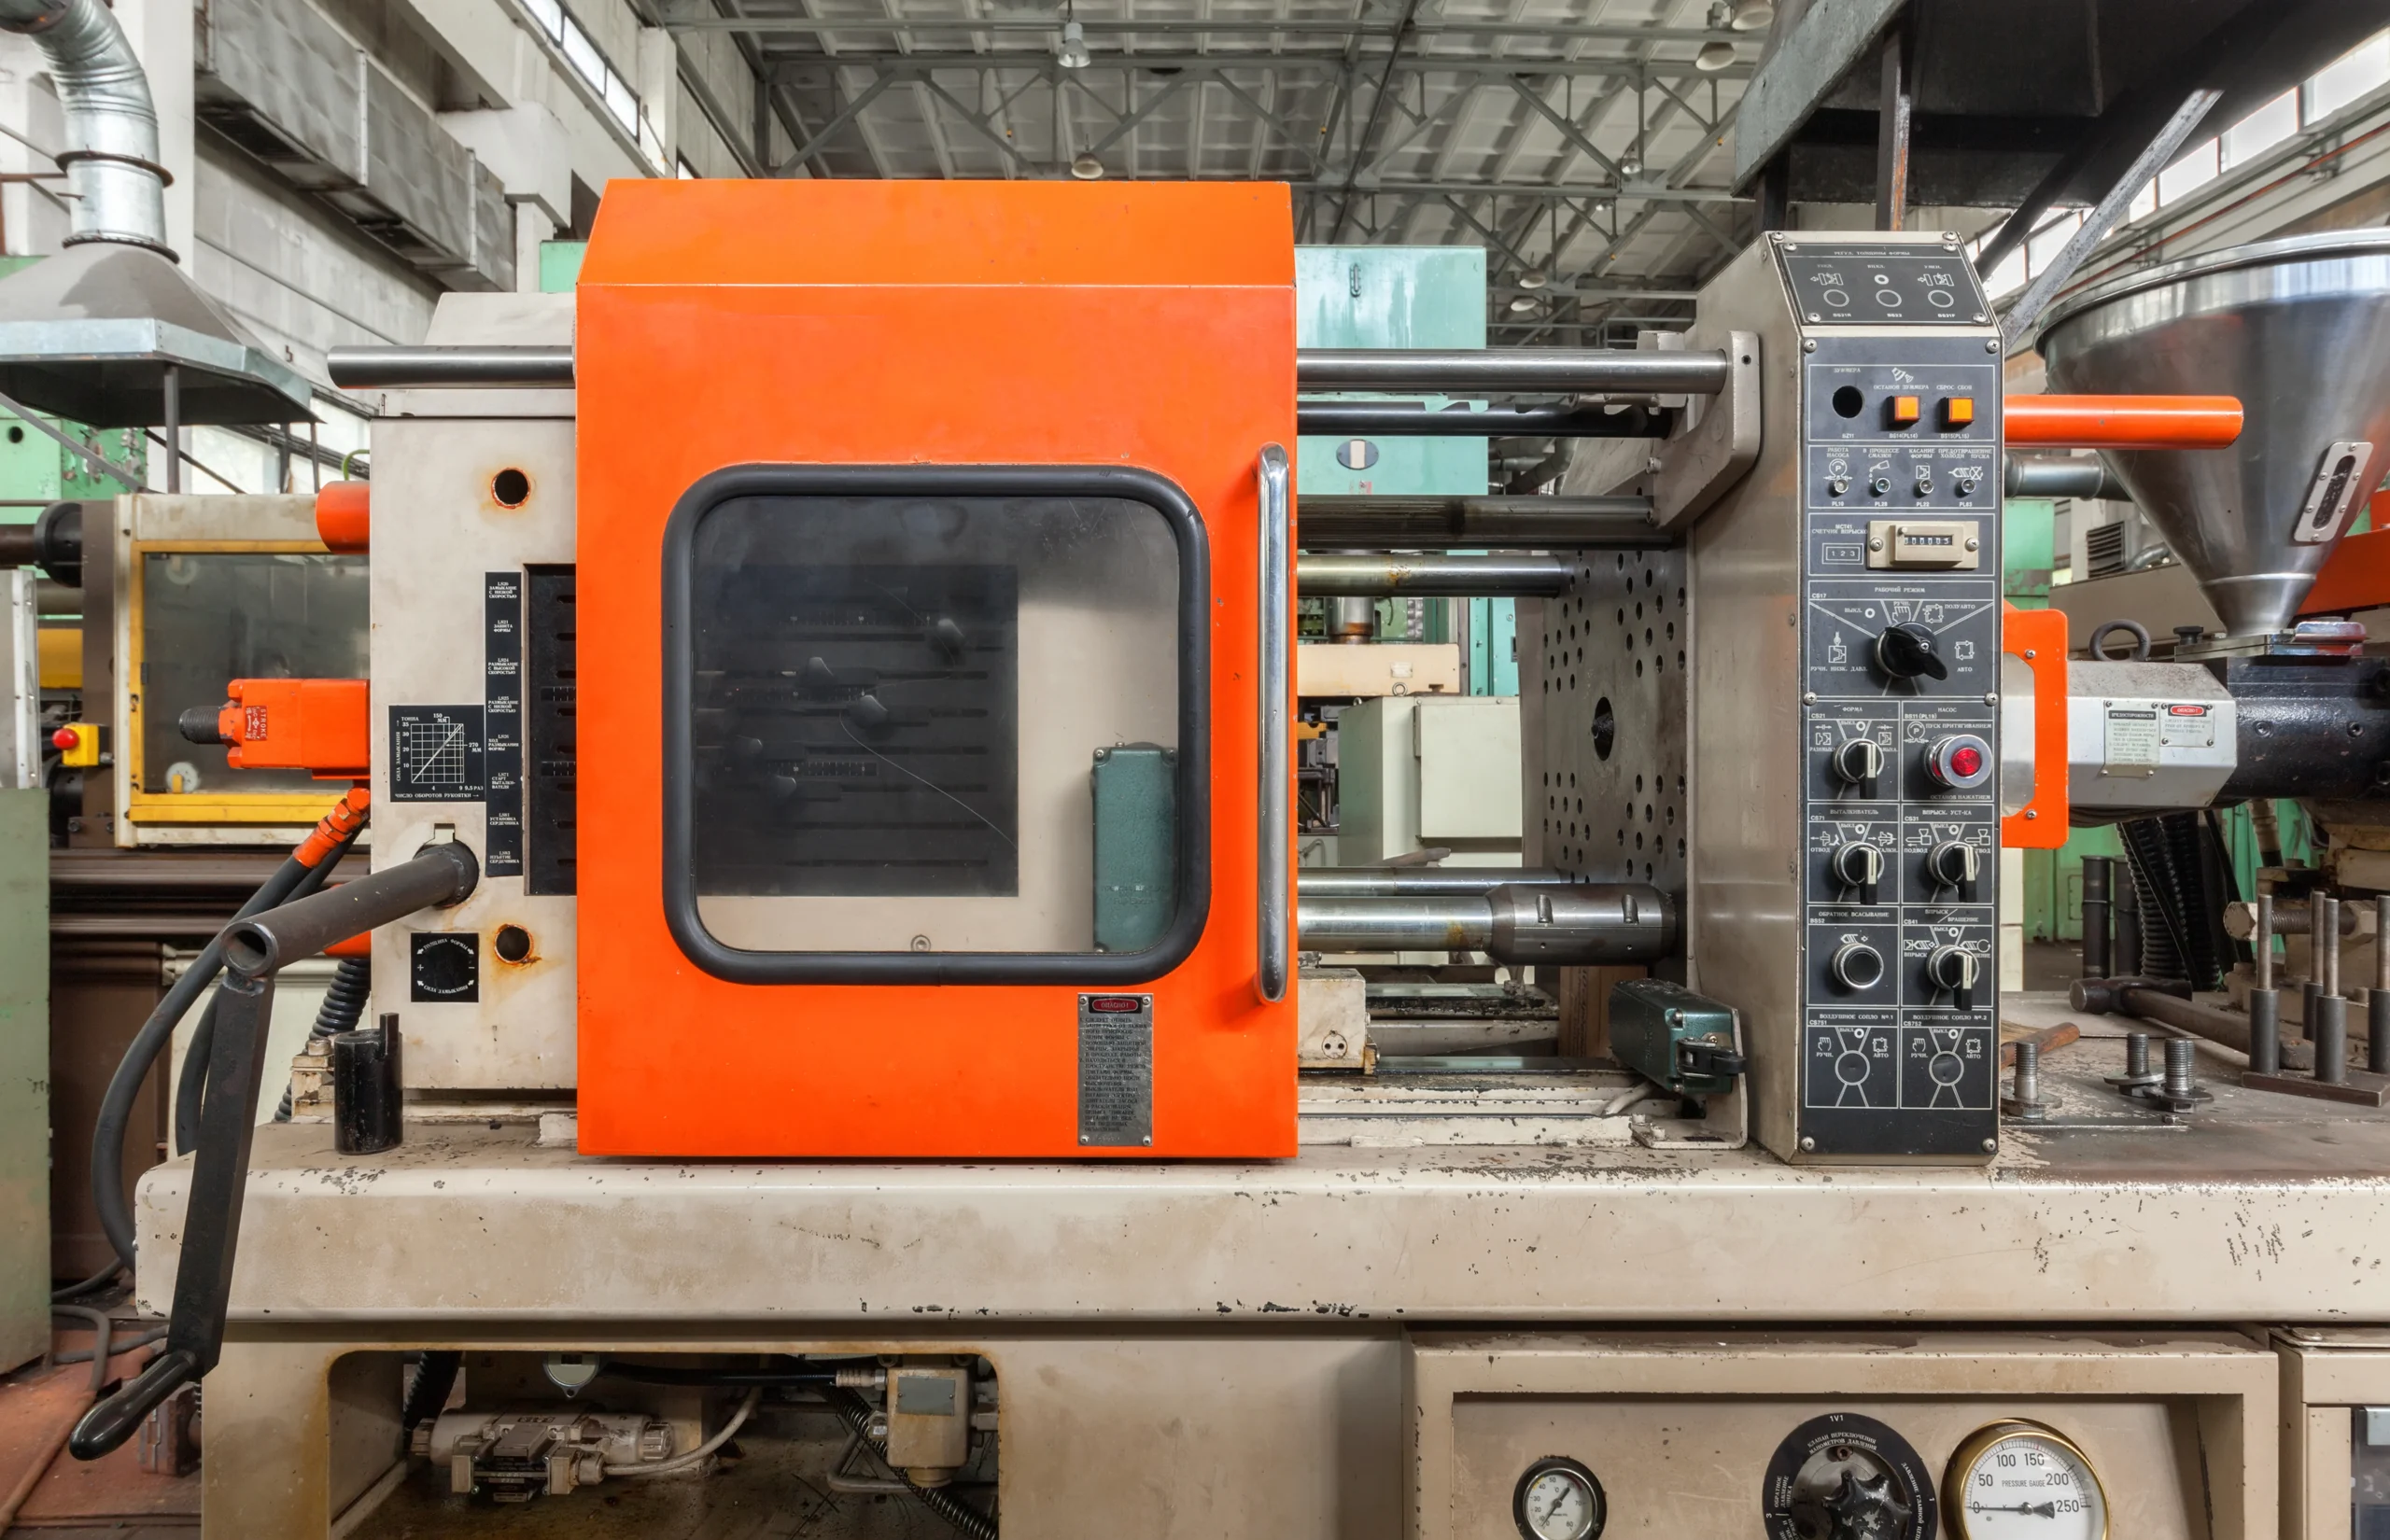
[
  {"x": 1904, "y": 411},
  {"x": 1958, "y": 411}
]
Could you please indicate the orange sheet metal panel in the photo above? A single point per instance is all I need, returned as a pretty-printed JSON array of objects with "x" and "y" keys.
[
  {"x": 2037, "y": 639},
  {"x": 730, "y": 324},
  {"x": 2122, "y": 422},
  {"x": 2357, "y": 575}
]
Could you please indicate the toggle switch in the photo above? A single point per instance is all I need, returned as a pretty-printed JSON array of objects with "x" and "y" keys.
[
  {"x": 1955, "y": 864},
  {"x": 1859, "y": 762},
  {"x": 1954, "y": 969},
  {"x": 1859, "y": 867}
]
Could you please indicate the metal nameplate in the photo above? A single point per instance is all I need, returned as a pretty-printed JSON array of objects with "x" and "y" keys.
[{"x": 1116, "y": 1069}]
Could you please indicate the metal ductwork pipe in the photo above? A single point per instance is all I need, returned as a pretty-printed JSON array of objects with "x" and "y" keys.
[
  {"x": 1573, "y": 924},
  {"x": 112, "y": 169},
  {"x": 1340, "y": 575}
]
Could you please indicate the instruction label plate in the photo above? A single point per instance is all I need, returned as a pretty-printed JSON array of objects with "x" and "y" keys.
[
  {"x": 436, "y": 753},
  {"x": 1116, "y": 1069}
]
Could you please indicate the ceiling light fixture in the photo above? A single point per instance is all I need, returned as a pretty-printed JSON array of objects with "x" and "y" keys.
[
  {"x": 1534, "y": 277},
  {"x": 1073, "y": 54},
  {"x": 1085, "y": 167},
  {"x": 1522, "y": 305},
  {"x": 1713, "y": 57},
  {"x": 1752, "y": 16}
]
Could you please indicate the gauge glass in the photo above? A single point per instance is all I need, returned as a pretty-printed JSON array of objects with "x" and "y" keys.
[
  {"x": 2024, "y": 1482},
  {"x": 1558, "y": 1503}
]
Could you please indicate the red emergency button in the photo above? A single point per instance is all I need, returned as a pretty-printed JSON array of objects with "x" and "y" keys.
[
  {"x": 1958, "y": 412},
  {"x": 1904, "y": 410},
  {"x": 65, "y": 737},
  {"x": 1961, "y": 761}
]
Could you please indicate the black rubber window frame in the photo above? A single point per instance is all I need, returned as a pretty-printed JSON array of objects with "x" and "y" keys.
[{"x": 740, "y": 965}]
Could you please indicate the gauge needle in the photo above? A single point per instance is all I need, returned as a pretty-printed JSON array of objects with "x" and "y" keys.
[{"x": 2043, "y": 1510}]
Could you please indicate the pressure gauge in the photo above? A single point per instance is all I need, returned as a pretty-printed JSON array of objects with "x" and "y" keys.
[
  {"x": 1558, "y": 1499},
  {"x": 2023, "y": 1481}
]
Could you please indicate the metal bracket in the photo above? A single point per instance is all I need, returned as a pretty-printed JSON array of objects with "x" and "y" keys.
[{"x": 1716, "y": 440}]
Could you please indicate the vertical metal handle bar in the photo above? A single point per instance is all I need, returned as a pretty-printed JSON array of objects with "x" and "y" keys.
[{"x": 1276, "y": 606}]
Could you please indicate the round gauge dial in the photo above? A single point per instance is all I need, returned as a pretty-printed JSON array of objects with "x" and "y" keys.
[
  {"x": 2023, "y": 1481},
  {"x": 1558, "y": 1499}
]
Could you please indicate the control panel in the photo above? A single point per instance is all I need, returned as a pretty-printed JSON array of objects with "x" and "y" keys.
[{"x": 1900, "y": 619}]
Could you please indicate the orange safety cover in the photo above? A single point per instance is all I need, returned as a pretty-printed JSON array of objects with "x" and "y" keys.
[
  {"x": 316, "y": 725},
  {"x": 2037, "y": 639},
  {"x": 853, "y": 323}
]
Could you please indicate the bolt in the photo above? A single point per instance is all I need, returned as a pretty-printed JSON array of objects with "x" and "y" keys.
[
  {"x": 2178, "y": 1067},
  {"x": 2137, "y": 1054},
  {"x": 2028, "y": 1071}
]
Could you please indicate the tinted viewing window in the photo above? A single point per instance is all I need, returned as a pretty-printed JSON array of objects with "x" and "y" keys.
[
  {"x": 933, "y": 724},
  {"x": 208, "y": 617}
]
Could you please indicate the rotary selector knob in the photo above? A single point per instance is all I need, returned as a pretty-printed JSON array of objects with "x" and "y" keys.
[
  {"x": 1857, "y": 866},
  {"x": 1867, "y": 1507},
  {"x": 1961, "y": 761},
  {"x": 1908, "y": 649},
  {"x": 1955, "y": 864},
  {"x": 1954, "y": 969},
  {"x": 1857, "y": 966},
  {"x": 1857, "y": 761}
]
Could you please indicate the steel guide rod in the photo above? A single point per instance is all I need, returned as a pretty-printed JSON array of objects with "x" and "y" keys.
[
  {"x": 1481, "y": 372},
  {"x": 1341, "y": 575}
]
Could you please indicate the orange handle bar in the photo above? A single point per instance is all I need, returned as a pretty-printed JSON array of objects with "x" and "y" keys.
[{"x": 2122, "y": 422}]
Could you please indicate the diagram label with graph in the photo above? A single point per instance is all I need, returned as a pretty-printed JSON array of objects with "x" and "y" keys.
[{"x": 437, "y": 754}]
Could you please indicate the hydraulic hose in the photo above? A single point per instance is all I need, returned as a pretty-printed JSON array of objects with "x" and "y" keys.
[
  {"x": 698, "y": 1456},
  {"x": 190, "y": 1087},
  {"x": 343, "y": 1007},
  {"x": 962, "y": 1516},
  {"x": 334, "y": 832}
]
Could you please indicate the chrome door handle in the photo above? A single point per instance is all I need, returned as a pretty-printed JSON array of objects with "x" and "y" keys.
[{"x": 1275, "y": 874}]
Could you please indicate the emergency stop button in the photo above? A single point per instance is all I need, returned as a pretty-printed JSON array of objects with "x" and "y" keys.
[
  {"x": 1904, "y": 410},
  {"x": 1958, "y": 412},
  {"x": 1961, "y": 761}
]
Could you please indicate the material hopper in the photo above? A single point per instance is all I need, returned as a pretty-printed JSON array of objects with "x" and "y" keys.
[{"x": 2299, "y": 330}]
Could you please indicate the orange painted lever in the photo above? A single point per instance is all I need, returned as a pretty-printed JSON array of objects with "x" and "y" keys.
[{"x": 2122, "y": 422}]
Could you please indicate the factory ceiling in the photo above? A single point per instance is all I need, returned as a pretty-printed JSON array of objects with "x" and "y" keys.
[{"x": 1584, "y": 143}]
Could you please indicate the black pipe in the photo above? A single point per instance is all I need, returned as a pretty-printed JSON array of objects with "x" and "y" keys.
[
  {"x": 1444, "y": 524},
  {"x": 1411, "y": 420},
  {"x": 438, "y": 877},
  {"x": 190, "y": 1087},
  {"x": 2027, "y": 477}
]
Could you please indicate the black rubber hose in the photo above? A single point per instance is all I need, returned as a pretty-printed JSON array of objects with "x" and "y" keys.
[
  {"x": 343, "y": 1007},
  {"x": 962, "y": 1516},
  {"x": 190, "y": 1087},
  {"x": 90, "y": 1285},
  {"x": 115, "y": 1106},
  {"x": 434, "y": 1377}
]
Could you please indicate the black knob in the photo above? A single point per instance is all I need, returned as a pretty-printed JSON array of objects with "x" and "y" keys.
[
  {"x": 1907, "y": 650},
  {"x": 1857, "y": 761},
  {"x": 1858, "y": 865},
  {"x": 1865, "y": 1507},
  {"x": 1955, "y": 864},
  {"x": 1955, "y": 968},
  {"x": 1857, "y": 965}
]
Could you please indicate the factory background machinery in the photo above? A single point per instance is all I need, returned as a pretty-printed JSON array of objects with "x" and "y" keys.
[{"x": 812, "y": 971}]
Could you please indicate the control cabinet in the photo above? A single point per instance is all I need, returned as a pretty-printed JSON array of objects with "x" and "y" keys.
[{"x": 1845, "y": 603}]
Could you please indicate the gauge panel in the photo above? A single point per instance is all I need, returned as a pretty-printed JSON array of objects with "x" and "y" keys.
[
  {"x": 1559, "y": 1498},
  {"x": 2018, "y": 1480}
]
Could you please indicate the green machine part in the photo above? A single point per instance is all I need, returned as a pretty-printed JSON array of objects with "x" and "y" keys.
[
  {"x": 1674, "y": 1038},
  {"x": 1136, "y": 846},
  {"x": 1405, "y": 297},
  {"x": 24, "y": 1076}
]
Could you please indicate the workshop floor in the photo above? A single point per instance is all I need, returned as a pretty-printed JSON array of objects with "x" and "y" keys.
[{"x": 113, "y": 1496}]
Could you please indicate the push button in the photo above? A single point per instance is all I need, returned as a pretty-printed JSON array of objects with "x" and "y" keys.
[
  {"x": 1902, "y": 411},
  {"x": 1958, "y": 412}
]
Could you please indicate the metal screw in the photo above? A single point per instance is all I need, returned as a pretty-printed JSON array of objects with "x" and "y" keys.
[
  {"x": 2030, "y": 654},
  {"x": 1991, "y": 698},
  {"x": 1810, "y": 345},
  {"x": 2137, "y": 1070},
  {"x": 1991, "y": 1146},
  {"x": 1807, "y": 1142},
  {"x": 1992, "y": 345},
  {"x": 1875, "y": 545},
  {"x": 1810, "y": 697}
]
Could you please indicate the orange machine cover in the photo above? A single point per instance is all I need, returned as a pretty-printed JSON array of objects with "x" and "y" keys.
[{"x": 837, "y": 322}]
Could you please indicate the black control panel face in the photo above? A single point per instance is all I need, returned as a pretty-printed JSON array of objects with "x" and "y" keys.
[
  {"x": 1847, "y": 284},
  {"x": 1900, "y": 637}
]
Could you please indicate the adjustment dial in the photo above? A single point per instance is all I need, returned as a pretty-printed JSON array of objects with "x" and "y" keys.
[
  {"x": 1857, "y": 761},
  {"x": 1956, "y": 866},
  {"x": 1859, "y": 866},
  {"x": 1955, "y": 970}
]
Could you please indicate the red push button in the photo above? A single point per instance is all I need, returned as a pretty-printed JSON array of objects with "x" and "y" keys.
[{"x": 1961, "y": 761}]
